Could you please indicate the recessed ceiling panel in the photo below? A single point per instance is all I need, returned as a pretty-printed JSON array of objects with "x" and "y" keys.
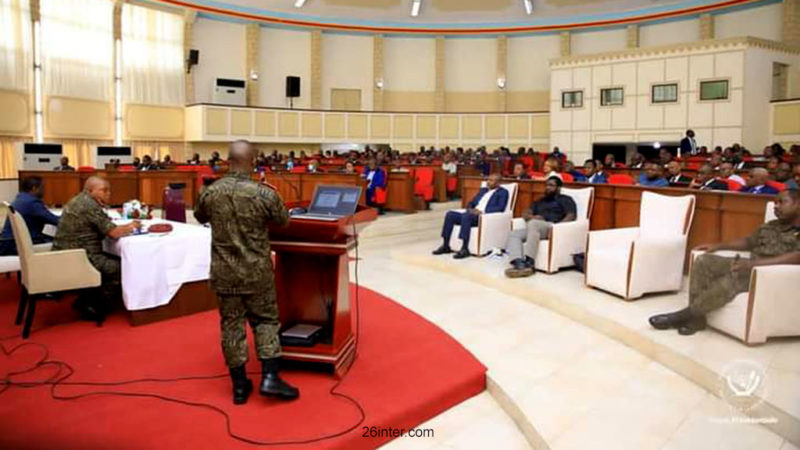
[{"x": 470, "y": 5}]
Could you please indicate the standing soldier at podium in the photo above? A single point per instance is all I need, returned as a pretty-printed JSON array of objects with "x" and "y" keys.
[{"x": 239, "y": 210}]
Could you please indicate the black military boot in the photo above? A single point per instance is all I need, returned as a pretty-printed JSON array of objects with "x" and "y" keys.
[
  {"x": 670, "y": 320},
  {"x": 242, "y": 386},
  {"x": 272, "y": 384},
  {"x": 692, "y": 326}
]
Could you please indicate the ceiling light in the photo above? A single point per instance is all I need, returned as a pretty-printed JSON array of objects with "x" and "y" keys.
[
  {"x": 415, "y": 8},
  {"x": 528, "y": 6},
  {"x": 501, "y": 83},
  {"x": 299, "y": 3}
]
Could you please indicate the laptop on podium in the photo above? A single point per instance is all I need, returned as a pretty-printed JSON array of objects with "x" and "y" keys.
[{"x": 332, "y": 202}]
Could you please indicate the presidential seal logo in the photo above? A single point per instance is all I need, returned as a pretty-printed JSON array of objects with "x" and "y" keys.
[{"x": 743, "y": 385}]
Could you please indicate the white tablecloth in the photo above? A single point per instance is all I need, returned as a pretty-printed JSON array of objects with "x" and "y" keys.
[{"x": 155, "y": 266}]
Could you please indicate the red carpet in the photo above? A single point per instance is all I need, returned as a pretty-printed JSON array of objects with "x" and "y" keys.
[{"x": 407, "y": 371}]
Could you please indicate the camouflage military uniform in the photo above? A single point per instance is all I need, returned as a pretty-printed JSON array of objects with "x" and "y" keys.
[
  {"x": 84, "y": 224},
  {"x": 714, "y": 284},
  {"x": 241, "y": 268}
]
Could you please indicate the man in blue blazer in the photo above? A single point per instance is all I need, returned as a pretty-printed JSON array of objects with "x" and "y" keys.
[
  {"x": 757, "y": 182},
  {"x": 490, "y": 199},
  {"x": 376, "y": 178},
  {"x": 30, "y": 205}
]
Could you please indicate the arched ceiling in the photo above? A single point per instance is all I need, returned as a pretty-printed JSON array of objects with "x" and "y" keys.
[{"x": 457, "y": 16}]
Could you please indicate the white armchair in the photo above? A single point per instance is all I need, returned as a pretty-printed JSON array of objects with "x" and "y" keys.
[
  {"x": 492, "y": 230},
  {"x": 565, "y": 239},
  {"x": 630, "y": 262},
  {"x": 769, "y": 309}
]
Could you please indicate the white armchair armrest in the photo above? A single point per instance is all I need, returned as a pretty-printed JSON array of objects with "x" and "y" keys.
[
  {"x": 60, "y": 271},
  {"x": 615, "y": 237},
  {"x": 494, "y": 230},
  {"x": 567, "y": 239},
  {"x": 775, "y": 309},
  {"x": 659, "y": 264},
  {"x": 518, "y": 223}
]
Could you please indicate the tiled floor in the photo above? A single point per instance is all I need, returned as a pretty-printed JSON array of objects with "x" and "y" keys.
[{"x": 577, "y": 387}]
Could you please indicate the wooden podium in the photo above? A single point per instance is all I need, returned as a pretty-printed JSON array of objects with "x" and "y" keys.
[{"x": 312, "y": 278}]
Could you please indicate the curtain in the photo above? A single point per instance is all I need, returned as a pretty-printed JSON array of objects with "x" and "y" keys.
[
  {"x": 77, "y": 48},
  {"x": 79, "y": 151},
  {"x": 152, "y": 56},
  {"x": 9, "y": 147},
  {"x": 16, "y": 55}
]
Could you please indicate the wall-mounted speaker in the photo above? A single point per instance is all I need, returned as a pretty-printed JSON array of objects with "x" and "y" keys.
[
  {"x": 193, "y": 60},
  {"x": 292, "y": 87}
]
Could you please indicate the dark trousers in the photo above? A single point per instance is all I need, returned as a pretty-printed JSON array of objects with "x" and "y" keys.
[
  {"x": 371, "y": 196},
  {"x": 453, "y": 218}
]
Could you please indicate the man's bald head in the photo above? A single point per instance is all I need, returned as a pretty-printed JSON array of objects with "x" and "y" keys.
[
  {"x": 241, "y": 155},
  {"x": 98, "y": 188},
  {"x": 758, "y": 176}
]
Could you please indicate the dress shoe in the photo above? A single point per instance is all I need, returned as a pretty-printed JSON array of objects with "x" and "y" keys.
[
  {"x": 442, "y": 250},
  {"x": 670, "y": 320},
  {"x": 530, "y": 262},
  {"x": 463, "y": 253},
  {"x": 242, "y": 386},
  {"x": 691, "y": 327},
  {"x": 88, "y": 312},
  {"x": 519, "y": 269},
  {"x": 272, "y": 384}
]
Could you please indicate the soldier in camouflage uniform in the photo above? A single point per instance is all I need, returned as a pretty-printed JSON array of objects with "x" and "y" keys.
[
  {"x": 84, "y": 225},
  {"x": 239, "y": 210},
  {"x": 716, "y": 280}
]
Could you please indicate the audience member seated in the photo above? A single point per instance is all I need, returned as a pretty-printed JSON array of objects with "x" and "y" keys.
[
  {"x": 376, "y": 178},
  {"x": 313, "y": 167},
  {"x": 147, "y": 164},
  {"x": 716, "y": 280},
  {"x": 726, "y": 172},
  {"x": 569, "y": 167},
  {"x": 215, "y": 159},
  {"x": 550, "y": 169},
  {"x": 491, "y": 199},
  {"x": 716, "y": 161},
  {"x": 166, "y": 163},
  {"x": 195, "y": 159},
  {"x": 637, "y": 161},
  {"x": 675, "y": 178},
  {"x": 757, "y": 182},
  {"x": 783, "y": 174},
  {"x": 664, "y": 157},
  {"x": 651, "y": 176},
  {"x": 449, "y": 166},
  {"x": 540, "y": 217},
  {"x": 519, "y": 172},
  {"x": 610, "y": 161},
  {"x": 64, "y": 165},
  {"x": 30, "y": 205},
  {"x": 688, "y": 144},
  {"x": 705, "y": 180},
  {"x": 349, "y": 167},
  {"x": 594, "y": 172},
  {"x": 136, "y": 162}
]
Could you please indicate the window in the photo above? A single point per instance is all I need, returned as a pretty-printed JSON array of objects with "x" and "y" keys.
[
  {"x": 611, "y": 97},
  {"x": 15, "y": 45},
  {"x": 714, "y": 90},
  {"x": 665, "y": 93},
  {"x": 572, "y": 99}
]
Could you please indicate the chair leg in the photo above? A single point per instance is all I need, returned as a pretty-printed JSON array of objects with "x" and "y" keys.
[
  {"x": 23, "y": 301},
  {"x": 26, "y": 330},
  {"x": 19, "y": 278}
]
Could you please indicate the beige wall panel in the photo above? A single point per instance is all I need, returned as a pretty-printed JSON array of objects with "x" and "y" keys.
[
  {"x": 496, "y": 127},
  {"x": 381, "y": 127},
  {"x": 587, "y": 42},
  {"x": 426, "y": 126},
  {"x": 216, "y": 121},
  {"x": 357, "y": 126},
  {"x": 409, "y": 101},
  {"x": 72, "y": 117},
  {"x": 265, "y": 123},
  {"x": 334, "y": 125},
  {"x": 540, "y": 127},
  {"x": 471, "y": 127},
  {"x": 448, "y": 127},
  {"x": 471, "y": 64},
  {"x": 312, "y": 125},
  {"x": 668, "y": 33},
  {"x": 786, "y": 119},
  {"x": 403, "y": 127},
  {"x": 282, "y": 53},
  {"x": 15, "y": 113},
  {"x": 528, "y": 101},
  {"x": 763, "y": 21},
  {"x": 401, "y": 53},
  {"x": 288, "y": 124},
  {"x": 241, "y": 122},
  {"x": 222, "y": 54},
  {"x": 528, "y": 67},
  {"x": 154, "y": 122},
  {"x": 471, "y": 102},
  {"x": 518, "y": 127},
  {"x": 347, "y": 64}
]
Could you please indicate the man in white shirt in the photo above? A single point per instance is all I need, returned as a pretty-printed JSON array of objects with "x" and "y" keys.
[{"x": 726, "y": 171}]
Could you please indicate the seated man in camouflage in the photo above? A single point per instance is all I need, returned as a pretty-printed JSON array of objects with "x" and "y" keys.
[
  {"x": 716, "y": 280},
  {"x": 84, "y": 224}
]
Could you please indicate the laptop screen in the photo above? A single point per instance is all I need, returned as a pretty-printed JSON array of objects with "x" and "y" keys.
[{"x": 335, "y": 200}]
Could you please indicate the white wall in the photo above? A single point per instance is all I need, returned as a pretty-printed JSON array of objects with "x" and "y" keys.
[
  {"x": 586, "y": 42},
  {"x": 347, "y": 64},
  {"x": 528, "y": 66},
  {"x": 471, "y": 65},
  {"x": 222, "y": 54},
  {"x": 758, "y": 92},
  {"x": 409, "y": 64},
  {"x": 667, "y": 33},
  {"x": 283, "y": 53},
  {"x": 762, "y": 21}
]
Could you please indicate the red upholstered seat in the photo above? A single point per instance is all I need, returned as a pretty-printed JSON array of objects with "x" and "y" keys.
[
  {"x": 732, "y": 185},
  {"x": 127, "y": 169},
  {"x": 777, "y": 185},
  {"x": 86, "y": 169},
  {"x": 620, "y": 179},
  {"x": 567, "y": 178},
  {"x": 423, "y": 183},
  {"x": 380, "y": 196},
  {"x": 528, "y": 161},
  {"x": 299, "y": 169},
  {"x": 452, "y": 183}
]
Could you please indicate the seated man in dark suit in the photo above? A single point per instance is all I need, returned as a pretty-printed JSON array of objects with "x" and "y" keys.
[
  {"x": 491, "y": 199},
  {"x": 674, "y": 175},
  {"x": 705, "y": 180},
  {"x": 519, "y": 172},
  {"x": 64, "y": 166},
  {"x": 30, "y": 205},
  {"x": 757, "y": 182}
]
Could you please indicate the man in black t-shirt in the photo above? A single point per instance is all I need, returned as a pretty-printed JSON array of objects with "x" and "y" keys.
[{"x": 540, "y": 217}]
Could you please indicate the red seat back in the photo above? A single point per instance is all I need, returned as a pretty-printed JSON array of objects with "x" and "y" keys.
[
  {"x": 86, "y": 169},
  {"x": 380, "y": 196},
  {"x": 452, "y": 183},
  {"x": 777, "y": 185},
  {"x": 732, "y": 185},
  {"x": 423, "y": 183},
  {"x": 567, "y": 178},
  {"x": 620, "y": 179}
]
